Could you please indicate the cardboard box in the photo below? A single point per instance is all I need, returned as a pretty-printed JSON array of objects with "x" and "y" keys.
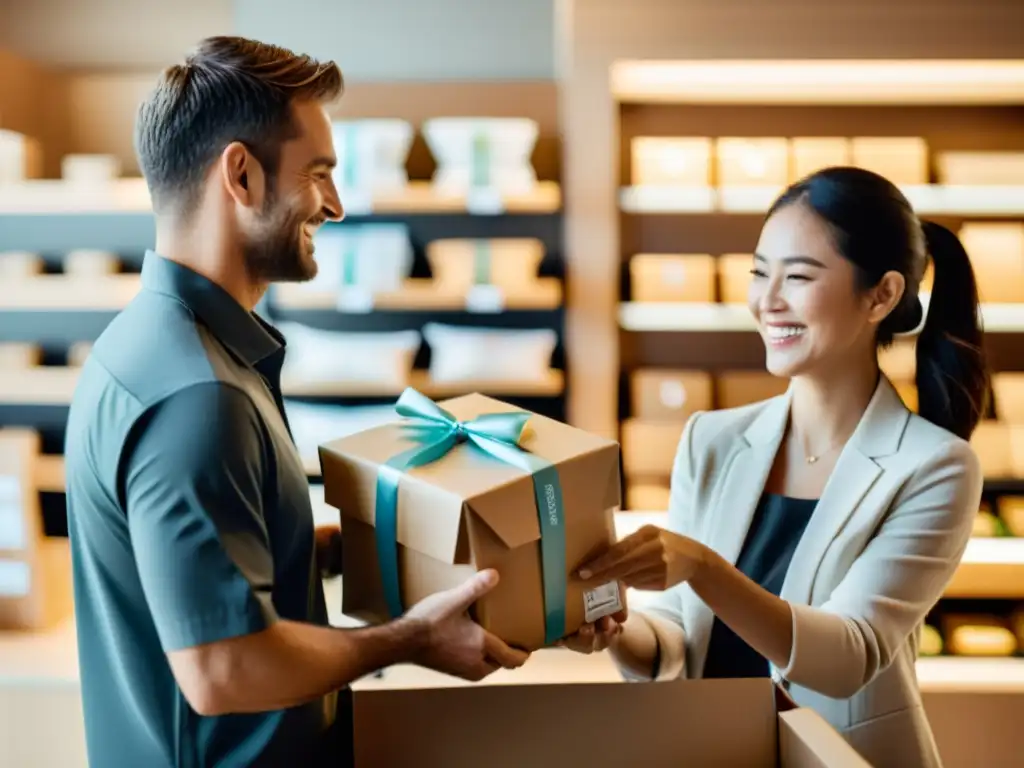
[
  {"x": 671, "y": 395},
  {"x": 649, "y": 447},
  {"x": 740, "y": 722},
  {"x": 752, "y": 161},
  {"x": 672, "y": 277},
  {"x": 734, "y": 389},
  {"x": 467, "y": 511},
  {"x": 812, "y": 153},
  {"x": 661, "y": 160},
  {"x": 734, "y": 276}
]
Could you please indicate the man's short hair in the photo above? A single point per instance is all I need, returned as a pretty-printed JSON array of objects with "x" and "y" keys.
[{"x": 229, "y": 89}]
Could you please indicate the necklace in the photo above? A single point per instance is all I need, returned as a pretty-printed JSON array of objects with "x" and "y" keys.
[{"x": 814, "y": 459}]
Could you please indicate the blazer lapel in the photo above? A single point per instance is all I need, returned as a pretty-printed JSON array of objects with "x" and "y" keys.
[
  {"x": 736, "y": 500},
  {"x": 878, "y": 434}
]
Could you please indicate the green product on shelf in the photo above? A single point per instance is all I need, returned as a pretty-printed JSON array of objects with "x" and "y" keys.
[
  {"x": 349, "y": 263},
  {"x": 482, "y": 262},
  {"x": 349, "y": 165},
  {"x": 481, "y": 161}
]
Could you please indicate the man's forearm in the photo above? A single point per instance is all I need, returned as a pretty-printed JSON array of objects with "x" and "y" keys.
[{"x": 289, "y": 664}]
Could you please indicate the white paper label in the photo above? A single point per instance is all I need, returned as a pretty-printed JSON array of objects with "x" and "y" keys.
[
  {"x": 356, "y": 202},
  {"x": 484, "y": 201},
  {"x": 485, "y": 298},
  {"x": 601, "y": 601},
  {"x": 12, "y": 527},
  {"x": 355, "y": 299},
  {"x": 15, "y": 578}
]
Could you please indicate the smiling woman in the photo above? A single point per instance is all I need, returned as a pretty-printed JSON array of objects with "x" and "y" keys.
[{"x": 810, "y": 534}]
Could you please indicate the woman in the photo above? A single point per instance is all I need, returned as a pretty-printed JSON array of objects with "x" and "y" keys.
[{"x": 810, "y": 534}]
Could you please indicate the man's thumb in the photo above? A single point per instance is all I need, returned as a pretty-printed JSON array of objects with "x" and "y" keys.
[{"x": 473, "y": 589}]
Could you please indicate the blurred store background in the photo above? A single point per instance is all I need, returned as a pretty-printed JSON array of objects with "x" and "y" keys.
[{"x": 553, "y": 203}]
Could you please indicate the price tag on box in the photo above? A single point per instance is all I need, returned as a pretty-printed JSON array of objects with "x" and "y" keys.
[
  {"x": 485, "y": 299},
  {"x": 356, "y": 201},
  {"x": 355, "y": 299},
  {"x": 484, "y": 201}
]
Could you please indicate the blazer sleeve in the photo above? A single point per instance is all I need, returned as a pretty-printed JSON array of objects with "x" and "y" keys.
[
  {"x": 663, "y": 611},
  {"x": 841, "y": 646}
]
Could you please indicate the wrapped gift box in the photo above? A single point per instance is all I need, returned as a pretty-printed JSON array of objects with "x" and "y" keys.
[{"x": 455, "y": 487}]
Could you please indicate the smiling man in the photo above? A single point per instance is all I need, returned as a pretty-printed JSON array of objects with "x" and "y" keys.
[{"x": 202, "y": 626}]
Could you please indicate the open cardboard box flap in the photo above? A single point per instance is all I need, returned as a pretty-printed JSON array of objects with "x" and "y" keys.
[
  {"x": 682, "y": 723},
  {"x": 434, "y": 500}
]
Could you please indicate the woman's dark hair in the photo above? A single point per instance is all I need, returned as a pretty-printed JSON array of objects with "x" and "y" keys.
[{"x": 875, "y": 228}]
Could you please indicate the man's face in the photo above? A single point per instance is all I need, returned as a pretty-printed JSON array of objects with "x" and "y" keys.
[{"x": 300, "y": 197}]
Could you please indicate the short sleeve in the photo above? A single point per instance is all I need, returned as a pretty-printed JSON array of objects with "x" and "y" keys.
[{"x": 193, "y": 488}]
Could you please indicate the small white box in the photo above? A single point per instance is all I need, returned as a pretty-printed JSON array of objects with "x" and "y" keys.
[
  {"x": 90, "y": 169},
  {"x": 21, "y": 157}
]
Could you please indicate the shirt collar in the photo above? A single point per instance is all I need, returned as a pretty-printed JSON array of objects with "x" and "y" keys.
[{"x": 243, "y": 332}]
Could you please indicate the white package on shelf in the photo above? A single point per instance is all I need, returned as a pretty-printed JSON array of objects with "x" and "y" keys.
[
  {"x": 13, "y": 536},
  {"x": 84, "y": 262},
  {"x": 488, "y": 354},
  {"x": 483, "y": 152},
  {"x": 20, "y": 157},
  {"x": 18, "y": 264},
  {"x": 316, "y": 356},
  {"x": 90, "y": 169},
  {"x": 375, "y": 257},
  {"x": 371, "y": 154},
  {"x": 314, "y": 424}
]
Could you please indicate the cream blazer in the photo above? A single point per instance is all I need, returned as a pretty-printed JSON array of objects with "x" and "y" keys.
[{"x": 881, "y": 547}]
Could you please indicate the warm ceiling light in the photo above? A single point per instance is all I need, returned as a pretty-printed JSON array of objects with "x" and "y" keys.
[{"x": 993, "y": 81}]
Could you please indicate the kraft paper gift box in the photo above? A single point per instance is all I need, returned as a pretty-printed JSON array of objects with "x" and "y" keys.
[{"x": 452, "y": 488}]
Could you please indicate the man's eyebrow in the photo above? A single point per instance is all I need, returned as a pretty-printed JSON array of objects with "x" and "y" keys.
[
  {"x": 806, "y": 260},
  {"x": 323, "y": 161}
]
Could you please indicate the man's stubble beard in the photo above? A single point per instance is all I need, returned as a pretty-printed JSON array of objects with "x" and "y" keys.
[{"x": 275, "y": 253}]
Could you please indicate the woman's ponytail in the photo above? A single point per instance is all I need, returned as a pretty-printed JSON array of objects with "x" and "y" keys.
[{"x": 952, "y": 377}]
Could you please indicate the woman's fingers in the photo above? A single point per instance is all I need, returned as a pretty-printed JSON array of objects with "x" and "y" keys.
[
  {"x": 618, "y": 552},
  {"x": 639, "y": 557}
]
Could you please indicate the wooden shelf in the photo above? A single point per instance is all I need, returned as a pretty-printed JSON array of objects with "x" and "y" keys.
[
  {"x": 701, "y": 317},
  {"x": 417, "y": 294},
  {"x": 552, "y": 385},
  {"x": 57, "y": 293},
  {"x": 927, "y": 200},
  {"x": 55, "y": 385},
  {"x": 40, "y": 197}
]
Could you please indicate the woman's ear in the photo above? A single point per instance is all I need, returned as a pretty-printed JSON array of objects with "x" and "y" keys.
[{"x": 886, "y": 296}]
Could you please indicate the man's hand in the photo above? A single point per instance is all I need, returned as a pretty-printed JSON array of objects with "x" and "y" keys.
[
  {"x": 452, "y": 642},
  {"x": 652, "y": 559}
]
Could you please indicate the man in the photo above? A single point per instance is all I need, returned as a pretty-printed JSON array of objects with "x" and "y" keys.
[{"x": 202, "y": 626}]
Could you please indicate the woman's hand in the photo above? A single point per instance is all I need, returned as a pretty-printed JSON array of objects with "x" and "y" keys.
[
  {"x": 596, "y": 637},
  {"x": 651, "y": 559}
]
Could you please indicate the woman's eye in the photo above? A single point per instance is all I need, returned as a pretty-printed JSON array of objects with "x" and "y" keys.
[
  {"x": 799, "y": 277},
  {"x": 757, "y": 273}
]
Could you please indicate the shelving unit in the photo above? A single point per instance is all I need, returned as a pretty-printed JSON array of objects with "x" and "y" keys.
[{"x": 54, "y": 311}]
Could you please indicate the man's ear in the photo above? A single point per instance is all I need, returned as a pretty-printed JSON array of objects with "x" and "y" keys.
[{"x": 241, "y": 175}]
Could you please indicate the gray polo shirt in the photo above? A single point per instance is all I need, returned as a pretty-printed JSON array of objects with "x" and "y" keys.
[{"x": 190, "y": 522}]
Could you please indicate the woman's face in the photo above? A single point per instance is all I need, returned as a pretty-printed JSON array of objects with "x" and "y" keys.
[{"x": 803, "y": 295}]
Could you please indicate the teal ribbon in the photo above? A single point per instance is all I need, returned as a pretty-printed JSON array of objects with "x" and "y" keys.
[{"x": 436, "y": 432}]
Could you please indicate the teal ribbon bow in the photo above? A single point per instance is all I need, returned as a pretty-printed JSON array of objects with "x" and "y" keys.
[{"x": 436, "y": 432}]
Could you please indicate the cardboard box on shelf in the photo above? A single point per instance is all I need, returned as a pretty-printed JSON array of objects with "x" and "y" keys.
[
  {"x": 649, "y": 447},
  {"x": 812, "y": 153},
  {"x": 761, "y": 161},
  {"x": 746, "y": 722},
  {"x": 734, "y": 389},
  {"x": 901, "y": 159},
  {"x": 672, "y": 277},
  {"x": 454, "y": 488},
  {"x": 734, "y": 275},
  {"x": 670, "y": 394}
]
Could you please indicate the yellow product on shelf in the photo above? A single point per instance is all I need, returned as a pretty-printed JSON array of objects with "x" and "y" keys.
[
  {"x": 1011, "y": 510},
  {"x": 647, "y": 497},
  {"x": 993, "y": 444},
  {"x": 18, "y": 355},
  {"x": 1008, "y": 389},
  {"x": 930, "y": 641},
  {"x": 978, "y": 635},
  {"x": 649, "y": 447},
  {"x": 980, "y": 168},
  {"x": 986, "y": 525},
  {"x": 669, "y": 394},
  {"x": 812, "y": 153},
  {"x": 997, "y": 254},
  {"x": 902, "y": 160},
  {"x": 508, "y": 263},
  {"x": 737, "y": 388},
  {"x": 657, "y": 277},
  {"x": 744, "y": 162},
  {"x": 734, "y": 273},
  {"x": 671, "y": 160}
]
